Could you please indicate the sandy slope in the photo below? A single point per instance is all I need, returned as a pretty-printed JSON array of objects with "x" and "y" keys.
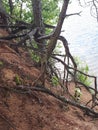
[{"x": 37, "y": 111}]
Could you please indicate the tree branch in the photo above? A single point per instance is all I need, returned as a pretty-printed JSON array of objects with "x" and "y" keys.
[
  {"x": 67, "y": 15},
  {"x": 57, "y": 31}
]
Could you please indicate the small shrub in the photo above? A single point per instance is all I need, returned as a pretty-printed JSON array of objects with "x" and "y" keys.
[
  {"x": 18, "y": 80},
  {"x": 35, "y": 57},
  {"x": 83, "y": 67},
  {"x": 55, "y": 81},
  {"x": 1, "y": 63}
]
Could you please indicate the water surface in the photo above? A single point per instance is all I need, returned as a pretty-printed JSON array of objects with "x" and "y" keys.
[{"x": 82, "y": 35}]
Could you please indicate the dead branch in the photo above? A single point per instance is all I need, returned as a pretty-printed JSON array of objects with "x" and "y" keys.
[
  {"x": 67, "y": 15},
  {"x": 94, "y": 96},
  {"x": 68, "y": 67},
  {"x": 49, "y": 26}
]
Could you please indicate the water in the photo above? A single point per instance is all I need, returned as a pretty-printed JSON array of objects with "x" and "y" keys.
[
  {"x": 86, "y": 47},
  {"x": 82, "y": 35}
]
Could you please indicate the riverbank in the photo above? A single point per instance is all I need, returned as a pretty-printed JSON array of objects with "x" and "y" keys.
[{"x": 35, "y": 111}]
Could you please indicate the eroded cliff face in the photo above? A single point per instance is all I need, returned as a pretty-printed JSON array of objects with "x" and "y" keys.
[{"x": 36, "y": 111}]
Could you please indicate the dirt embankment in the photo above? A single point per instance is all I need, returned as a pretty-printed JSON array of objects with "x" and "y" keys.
[{"x": 37, "y": 111}]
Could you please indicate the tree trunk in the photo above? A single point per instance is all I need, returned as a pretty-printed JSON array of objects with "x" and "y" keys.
[
  {"x": 57, "y": 31},
  {"x": 37, "y": 13},
  {"x": 3, "y": 14}
]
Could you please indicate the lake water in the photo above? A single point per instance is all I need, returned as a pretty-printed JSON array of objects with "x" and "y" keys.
[{"x": 82, "y": 35}]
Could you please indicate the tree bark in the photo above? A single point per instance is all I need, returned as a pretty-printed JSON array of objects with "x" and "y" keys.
[
  {"x": 57, "y": 31},
  {"x": 37, "y": 13},
  {"x": 38, "y": 21},
  {"x": 3, "y": 14}
]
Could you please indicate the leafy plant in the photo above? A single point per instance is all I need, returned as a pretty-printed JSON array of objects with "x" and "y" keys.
[
  {"x": 55, "y": 81},
  {"x": 23, "y": 10},
  {"x": 83, "y": 67},
  {"x": 1, "y": 63},
  {"x": 50, "y": 11},
  {"x": 35, "y": 57},
  {"x": 18, "y": 80}
]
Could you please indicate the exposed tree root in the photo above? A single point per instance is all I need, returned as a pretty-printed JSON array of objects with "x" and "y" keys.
[
  {"x": 29, "y": 35},
  {"x": 29, "y": 90}
]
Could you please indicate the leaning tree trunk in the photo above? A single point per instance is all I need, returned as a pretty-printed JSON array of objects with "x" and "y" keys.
[{"x": 57, "y": 31}]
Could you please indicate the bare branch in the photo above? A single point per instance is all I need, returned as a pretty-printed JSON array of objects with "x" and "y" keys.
[{"x": 79, "y": 14}]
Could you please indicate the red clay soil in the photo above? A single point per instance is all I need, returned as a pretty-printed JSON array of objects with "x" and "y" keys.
[{"x": 38, "y": 111}]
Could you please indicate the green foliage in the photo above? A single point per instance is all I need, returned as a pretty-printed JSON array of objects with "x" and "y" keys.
[
  {"x": 26, "y": 9},
  {"x": 18, "y": 80},
  {"x": 50, "y": 10},
  {"x": 83, "y": 68},
  {"x": 35, "y": 57},
  {"x": 92, "y": 91},
  {"x": 1, "y": 63},
  {"x": 57, "y": 48},
  {"x": 55, "y": 81}
]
